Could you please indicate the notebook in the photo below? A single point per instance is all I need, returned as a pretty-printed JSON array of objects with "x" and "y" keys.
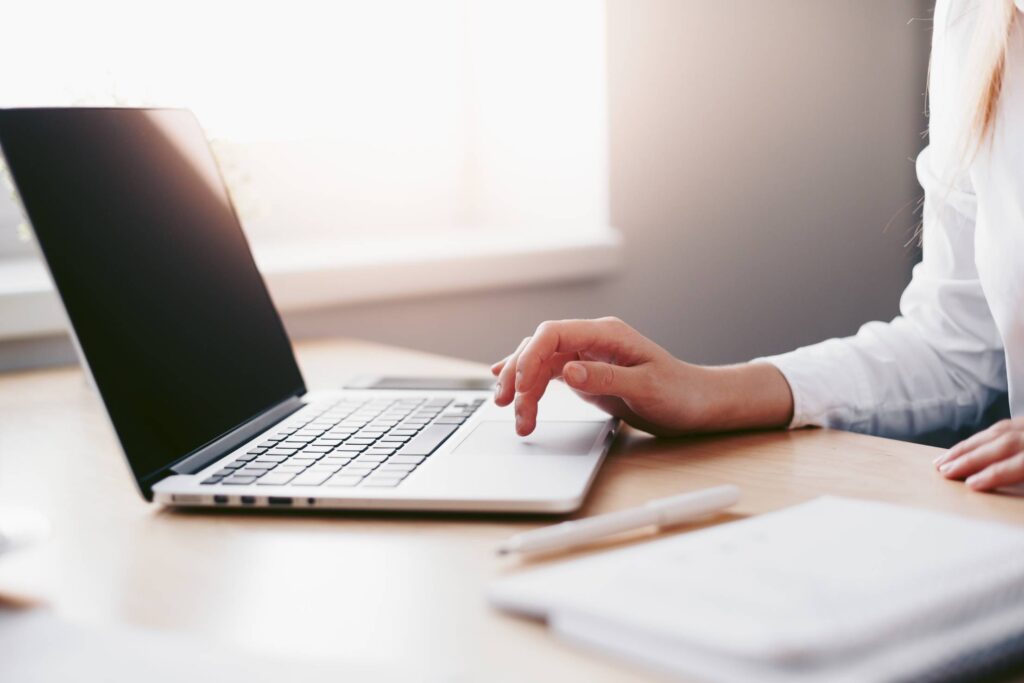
[{"x": 833, "y": 589}]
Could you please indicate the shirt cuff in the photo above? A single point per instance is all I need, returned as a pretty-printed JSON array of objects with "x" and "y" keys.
[{"x": 800, "y": 379}]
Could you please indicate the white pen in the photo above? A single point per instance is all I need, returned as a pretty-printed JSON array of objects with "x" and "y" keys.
[{"x": 685, "y": 507}]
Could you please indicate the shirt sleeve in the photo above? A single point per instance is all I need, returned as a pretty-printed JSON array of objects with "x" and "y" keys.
[{"x": 940, "y": 363}]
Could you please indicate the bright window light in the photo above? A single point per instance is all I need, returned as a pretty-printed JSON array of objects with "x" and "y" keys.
[{"x": 349, "y": 121}]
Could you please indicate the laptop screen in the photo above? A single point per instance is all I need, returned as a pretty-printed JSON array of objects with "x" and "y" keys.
[{"x": 157, "y": 278}]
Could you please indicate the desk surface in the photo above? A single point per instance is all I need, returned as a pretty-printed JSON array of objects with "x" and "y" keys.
[{"x": 405, "y": 592}]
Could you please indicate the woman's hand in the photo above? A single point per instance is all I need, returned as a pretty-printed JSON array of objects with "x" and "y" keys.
[
  {"x": 625, "y": 374},
  {"x": 990, "y": 459}
]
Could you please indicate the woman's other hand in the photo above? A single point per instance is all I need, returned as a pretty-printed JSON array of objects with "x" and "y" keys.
[{"x": 988, "y": 460}]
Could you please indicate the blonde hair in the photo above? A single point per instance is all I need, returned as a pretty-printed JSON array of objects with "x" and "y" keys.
[{"x": 987, "y": 67}]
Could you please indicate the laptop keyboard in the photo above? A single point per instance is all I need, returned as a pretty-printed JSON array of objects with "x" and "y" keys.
[{"x": 373, "y": 442}]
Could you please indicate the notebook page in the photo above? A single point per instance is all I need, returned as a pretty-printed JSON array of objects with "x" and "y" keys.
[{"x": 813, "y": 580}]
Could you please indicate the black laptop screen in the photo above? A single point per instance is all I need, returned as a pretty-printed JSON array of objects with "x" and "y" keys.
[{"x": 154, "y": 271}]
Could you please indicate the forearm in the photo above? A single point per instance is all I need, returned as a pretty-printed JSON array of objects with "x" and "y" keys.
[{"x": 747, "y": 396}]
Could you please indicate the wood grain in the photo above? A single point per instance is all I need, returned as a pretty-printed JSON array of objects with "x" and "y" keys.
[{"x": 402, "y": 592}]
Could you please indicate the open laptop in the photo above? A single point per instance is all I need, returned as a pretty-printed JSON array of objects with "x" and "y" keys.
[{"x": 175, "y": 324}]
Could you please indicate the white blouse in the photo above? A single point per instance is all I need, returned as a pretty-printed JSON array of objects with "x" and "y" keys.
[{"x": 958, "y": 344}]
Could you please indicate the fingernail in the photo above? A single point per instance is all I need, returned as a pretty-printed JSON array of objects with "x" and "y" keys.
[
  {"x": 975, "y": 481},
  {"x": 497, "y": 390},
  {"x": 946, "y": 468},
  {"x": 577, "y": 373},
  {"x": 939, "y": 458}
]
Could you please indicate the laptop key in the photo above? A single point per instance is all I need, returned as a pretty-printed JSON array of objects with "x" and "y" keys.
[
  {"x": 211, "y": 480},
  {"x": 427, "y": 441},
  {"x": 371, "y": 457},
  {"x": 276, "y": 478},
  {"x": 395, "y": 468},
  {"x": 344, "y": 479},
  {"x": 382, "y": 482},
  {"x": 406, "y": 459},
  {"x": 311, "y": 478},
  {"x": 240, "y": 479},
  {"x": 329, "y": 469},
  {"x": 360, "y": 467}
]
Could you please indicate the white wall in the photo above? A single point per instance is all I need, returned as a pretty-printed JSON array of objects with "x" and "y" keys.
[{"x": 758, "y": 152}]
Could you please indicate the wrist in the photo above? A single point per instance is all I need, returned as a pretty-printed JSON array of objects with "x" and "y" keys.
[{"x": 746, "y": 396}]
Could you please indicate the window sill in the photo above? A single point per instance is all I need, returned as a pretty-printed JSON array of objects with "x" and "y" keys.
[{"x": 318, "y": 275}]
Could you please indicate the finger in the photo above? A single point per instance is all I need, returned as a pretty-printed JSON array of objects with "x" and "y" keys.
[
  {"x": 1003, "y": 473},
  {"x": 505, "y": 390},
  {"x": 603, "y": 379},
  {"x": 999, "y": 448},
  {"x": 526, "y": 408},
  {"x": 982, "y": 437},
  {"x": 527, "y": 402},
  {"x": 966, "y": 446},
  {"x": 496, "y": 367},
  {"x": 608, "y": 335}
]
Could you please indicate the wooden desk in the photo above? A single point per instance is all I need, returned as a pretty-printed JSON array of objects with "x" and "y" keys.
[{"x": 402, "y": 591}]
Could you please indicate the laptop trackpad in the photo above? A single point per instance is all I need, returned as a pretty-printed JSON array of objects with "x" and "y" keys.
[{"x": 498, "y": 437}]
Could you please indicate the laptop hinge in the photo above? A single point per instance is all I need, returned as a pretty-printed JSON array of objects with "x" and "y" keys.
[{"x": 236, "y": 437}]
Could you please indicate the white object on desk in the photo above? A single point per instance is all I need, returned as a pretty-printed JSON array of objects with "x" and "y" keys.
[
  {"x": 833, "y": 589},
  {"x": 685, "y": 507},
  {"x": 39, "y": 647},
  {"x": 20, "y": 527}
]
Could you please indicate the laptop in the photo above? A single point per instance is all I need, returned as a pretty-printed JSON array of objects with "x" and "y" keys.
[{"x": 174, "y": 323}]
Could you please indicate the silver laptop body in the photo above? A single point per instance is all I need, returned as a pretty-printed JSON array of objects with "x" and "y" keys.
[
  {"x": 481, "y": 466},
  {"x": 174, "y": 324}
]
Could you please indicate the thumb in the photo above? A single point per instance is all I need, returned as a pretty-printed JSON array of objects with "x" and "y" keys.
[{"x": 593, "y": 377}]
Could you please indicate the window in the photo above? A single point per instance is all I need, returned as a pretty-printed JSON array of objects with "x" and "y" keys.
[{"x": 351, "y": 130}]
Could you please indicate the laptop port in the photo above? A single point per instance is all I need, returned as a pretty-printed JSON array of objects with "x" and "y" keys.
[
  {"x": 279, "y": 500},
  {"x": 220, "y": 500},
  {"x": 248, "y": 500}
]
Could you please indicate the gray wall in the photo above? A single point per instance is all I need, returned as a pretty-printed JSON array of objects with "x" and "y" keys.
[{"x": 758, "y": 152}]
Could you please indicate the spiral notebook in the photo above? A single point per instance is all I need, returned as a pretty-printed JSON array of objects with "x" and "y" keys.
[{"x": 833, "y": 589}]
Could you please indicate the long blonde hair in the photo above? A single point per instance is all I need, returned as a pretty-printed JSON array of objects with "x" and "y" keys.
[{"x": 987, "y": 67}]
